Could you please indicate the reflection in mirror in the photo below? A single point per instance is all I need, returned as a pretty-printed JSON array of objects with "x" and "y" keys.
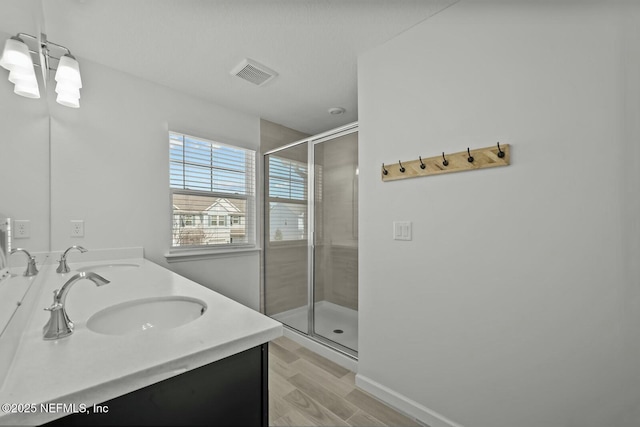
[
  {"x": 24, "y": 148},
  {"x": 8, "y": 302},
  {"x": 24, "y": 166},
  {"x": 5, "y": 242}
]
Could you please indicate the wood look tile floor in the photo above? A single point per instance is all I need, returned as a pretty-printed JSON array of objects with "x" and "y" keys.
[{"x": 306, "y": 389}]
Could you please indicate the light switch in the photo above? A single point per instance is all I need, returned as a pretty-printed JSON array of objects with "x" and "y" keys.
[{"x": 401, "y": 230}]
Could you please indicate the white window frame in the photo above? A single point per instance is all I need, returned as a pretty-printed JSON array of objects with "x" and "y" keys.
[
  {"x": 285, "y": 200},
  {"x": 186, "y": 252}
]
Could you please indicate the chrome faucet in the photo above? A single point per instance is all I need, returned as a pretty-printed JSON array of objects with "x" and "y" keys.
[
  {"x": 63, "y": 267},
  {"x": 59, "y": 324},
  {"x": 31, "y": 270}
]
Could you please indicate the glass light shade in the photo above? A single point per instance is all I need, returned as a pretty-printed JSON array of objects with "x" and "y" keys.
[
  {"x": 68, "y": 90},
  {"x": 15, "y": 55},
  {"x": 26, "y": 83},
  {"x": 70, "y": 94},
  {"x": 19, "y": 74},
  {"x": 69, "y": 72},
  {"x": 68, "y": 101},
  {"x": 26, "y": 89}
]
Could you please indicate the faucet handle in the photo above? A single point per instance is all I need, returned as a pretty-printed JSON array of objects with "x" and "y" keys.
[
  {"x": 63, "y": 267},
  {"x": 55, "y": 306},
  {"x": 59, "y": 324},
  {"x": 32, "y": 269}
]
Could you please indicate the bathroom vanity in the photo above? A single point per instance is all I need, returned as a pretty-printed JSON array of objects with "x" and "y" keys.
[
  {"x": 230, "y": 392},
  {"x": 148, "y": 348}
]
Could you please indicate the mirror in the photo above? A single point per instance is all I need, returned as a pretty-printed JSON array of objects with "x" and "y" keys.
[
  {"x": 24, "y": 161},
  {"x": 9, "y": 307},
  {"x": 106, "y": 162},
  {"x": 5, "y": 229},
  {"x": 13, "y": 284}
]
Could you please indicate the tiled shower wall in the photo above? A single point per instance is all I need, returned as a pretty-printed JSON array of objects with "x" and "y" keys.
[{"x": 336, "y": 221}]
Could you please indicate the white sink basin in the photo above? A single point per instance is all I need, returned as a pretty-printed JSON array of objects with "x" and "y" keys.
[
  {"x": 108, "y": 268},
  {"x": 145, "y": 315}
]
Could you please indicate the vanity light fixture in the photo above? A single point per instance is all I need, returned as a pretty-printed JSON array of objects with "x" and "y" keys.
[
  {"x": 17, "y": 60},
  {"x": 16, "y": 57}
]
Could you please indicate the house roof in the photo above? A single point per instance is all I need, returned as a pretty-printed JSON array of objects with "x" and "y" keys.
[{"x": 194, "y": 204}]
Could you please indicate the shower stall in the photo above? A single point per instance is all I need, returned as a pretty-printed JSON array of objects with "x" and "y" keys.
[{"x": 311, "y": 237}]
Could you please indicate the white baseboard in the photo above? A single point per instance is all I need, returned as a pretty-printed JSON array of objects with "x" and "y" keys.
[
  {"x": 324, "y": 351},
  {"x": 404, "y": 404}
]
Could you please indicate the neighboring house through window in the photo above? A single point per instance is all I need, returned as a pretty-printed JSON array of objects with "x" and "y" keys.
[
  {"x": 287, "y": 197},
  {"x": 212, "y": 193}
]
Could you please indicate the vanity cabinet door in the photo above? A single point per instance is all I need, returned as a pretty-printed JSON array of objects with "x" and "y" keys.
[{"x": 229, "y": 392}]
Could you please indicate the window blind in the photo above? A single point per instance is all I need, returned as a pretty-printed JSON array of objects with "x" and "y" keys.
[
  {"x": 212, "y": 192},
  {"x": 287, "y": 197}
]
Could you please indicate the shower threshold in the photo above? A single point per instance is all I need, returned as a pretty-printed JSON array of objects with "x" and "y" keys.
[{"x": 334, "y": 322}]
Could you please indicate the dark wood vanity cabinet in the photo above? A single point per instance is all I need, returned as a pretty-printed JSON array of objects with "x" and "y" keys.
[{"x": 230, "y": 392}]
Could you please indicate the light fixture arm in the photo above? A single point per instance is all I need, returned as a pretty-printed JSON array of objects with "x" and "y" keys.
[
  {"x": 44, "y": 59},
  {"x": 59, "y": 46},
  {"x": 44, "y": 44}
]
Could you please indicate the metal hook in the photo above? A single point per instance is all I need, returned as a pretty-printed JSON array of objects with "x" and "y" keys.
[
  {"x": 446, "y": 162},
  {"x": 384, "y": 171},
  {"x": 470, "y": 158},
  {"x": 402, "y": 169},
  {"x": 500, "y": 152},
  {"x": 422, "y": 165}
]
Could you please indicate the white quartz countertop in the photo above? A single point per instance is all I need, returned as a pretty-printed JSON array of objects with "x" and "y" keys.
[{"x": 88, "y": 367}]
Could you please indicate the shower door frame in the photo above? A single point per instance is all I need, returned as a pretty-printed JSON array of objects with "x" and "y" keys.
[{"x": 311, "y": 206}]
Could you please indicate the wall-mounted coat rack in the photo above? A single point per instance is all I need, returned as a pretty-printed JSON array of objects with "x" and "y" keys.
[{"x": 488, "y": 157}]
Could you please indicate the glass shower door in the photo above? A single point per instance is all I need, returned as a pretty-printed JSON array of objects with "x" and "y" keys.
[
  {"x": 286, "y": 251},
  {"x": 335, "y": 257}
]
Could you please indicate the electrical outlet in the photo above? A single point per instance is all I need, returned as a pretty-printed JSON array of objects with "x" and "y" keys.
[
  {"x": 21, "y": 229},
  {"x": 77, "y": 228},
  {"x": 402, "y": 230}
]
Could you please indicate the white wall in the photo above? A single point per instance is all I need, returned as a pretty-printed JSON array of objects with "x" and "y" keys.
[
  {"x": 517, "y": 301},
  {"x": 110, "y": 167}
]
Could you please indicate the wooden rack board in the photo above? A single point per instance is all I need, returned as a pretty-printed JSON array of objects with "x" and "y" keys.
[{"x": 457, "y": 162}]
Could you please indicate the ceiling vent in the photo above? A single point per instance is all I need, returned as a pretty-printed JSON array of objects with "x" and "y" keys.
[{"x": 253, "y": 72}]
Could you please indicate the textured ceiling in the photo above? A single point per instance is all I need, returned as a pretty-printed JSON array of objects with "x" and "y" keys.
[{"x": 192, "y": 45}]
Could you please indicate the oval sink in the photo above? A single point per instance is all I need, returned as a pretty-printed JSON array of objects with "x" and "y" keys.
[
  {"x": 146, "y": 315},
  {"x": 108, "y": 268}
]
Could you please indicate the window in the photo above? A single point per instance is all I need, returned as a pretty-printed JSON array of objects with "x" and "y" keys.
[
  {"x": 187, "y": 221},
  {"x": 287, "y": 194},
  {"x": 211, "y": 183},
  {"x": 218, "y": 220}
]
